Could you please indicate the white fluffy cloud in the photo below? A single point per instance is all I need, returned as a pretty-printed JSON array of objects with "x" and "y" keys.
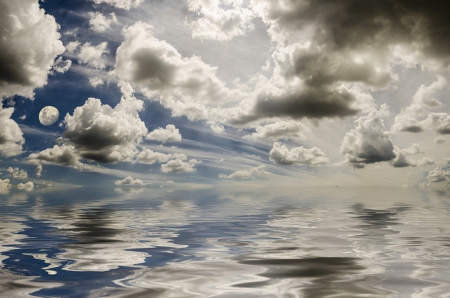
[
  {"x": 179, "y": 166},
  {"x": 17, "y": 173},
  {"x": 245, "y": 174},
  {"x": 11, "y": 137},
  {"x": 184, "y": 85},
  {"x": 5, "y": 186},
  {"x": 93, "y": 55},
  {"x": 149, "y": 157},
  {"x": 29, "y": 44},
  {"x": 100, "y": 22},
  {"x": 28, "y": 186},
  {"x": 124, "y": 4},
  {"x": 369, "y": 142},
  {"x": 105, "y": 134},
  {"x": 215, "y": 22},
  {"x": 282, "y": 155},
  {"x": 423, "y": 101},
  {"x": 129, "y": 181},
  {"x": 280, "y": 130},
  {"x": 168, "y": 134}
]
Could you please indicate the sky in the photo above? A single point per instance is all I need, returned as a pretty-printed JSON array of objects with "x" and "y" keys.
[{"x": 239, "y": 93}]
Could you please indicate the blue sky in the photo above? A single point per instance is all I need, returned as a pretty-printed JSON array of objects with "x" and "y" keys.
[{"x": 224, "y": 92}]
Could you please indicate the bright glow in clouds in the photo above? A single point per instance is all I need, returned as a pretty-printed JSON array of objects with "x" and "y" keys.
[
  {"x": 124, "y": 4},
  {"x": 218, "y": 23}
]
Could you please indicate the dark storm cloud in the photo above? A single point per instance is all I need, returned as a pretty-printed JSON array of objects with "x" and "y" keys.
[
  {"x": 352, "y": 41},
  {"x": 306, "y": 103},
  {"x": 352, "y": 23},
  {"x": 414, "y": 129}
]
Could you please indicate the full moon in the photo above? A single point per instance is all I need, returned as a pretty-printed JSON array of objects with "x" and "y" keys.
[{"x": 48, "y": 115}]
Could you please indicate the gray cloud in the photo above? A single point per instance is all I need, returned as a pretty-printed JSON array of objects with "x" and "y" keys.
[
  {"x": 63, "y": 155},
  {"x": 423, "y": 101},
  {"x": 29, "y": 44},
  {"x": 149, "y": 157},
  {"x": 325, "y": 47},
  {"x": 302, "y": 103},
  {"x": 368, "y": 142},
  {"x": 245, "y": 174},
  {"x": 280, "y": 130},
  {"x": 282, "y": 155},
  {"x": 350, "y": 24}
]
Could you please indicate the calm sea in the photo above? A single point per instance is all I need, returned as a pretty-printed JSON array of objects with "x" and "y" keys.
[{"x": 173, "y": 242}]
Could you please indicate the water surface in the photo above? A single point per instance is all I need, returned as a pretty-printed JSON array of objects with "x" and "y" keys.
[{"x": 329, "y": 242}]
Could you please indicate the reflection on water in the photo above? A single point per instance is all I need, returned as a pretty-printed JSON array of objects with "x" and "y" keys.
[{"x": 213, "y": 243}]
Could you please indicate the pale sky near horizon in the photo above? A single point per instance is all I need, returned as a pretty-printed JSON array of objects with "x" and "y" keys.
[{"x": 219, "y": 92}]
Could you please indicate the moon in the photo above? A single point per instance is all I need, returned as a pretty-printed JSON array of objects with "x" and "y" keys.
[{"x": 48, "y": 115}]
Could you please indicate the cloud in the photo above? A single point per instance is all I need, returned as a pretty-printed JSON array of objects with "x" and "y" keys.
[
  {"x": 245, "y": 174},
  {"x": 38, "y": 170},
  {"x": 62, "y": 155},
  {"x": 11, "y": 137},
  {"x": 280, "y": 130},
  {"x": 169, "y": 134},
  {"x": 350, "y": 24},
  {"x": 439, "y": 122},
  {"x": 17, "y": 173},
  {"x": 215, "y": 127},
  {"x": 4, "y": 186},
  {"x": 184, "y": 85},
  {"x": 368, "y": 142},
  {"x": 217, "y": 23},
  {"x": 28, "y": 186},
  {"x": 437, "y": 176},
  {"x": 93, "y": 55},
  {"x": 29, "y": 44},
  {"x": 423, "y": 101},
  {"x": 61, "y": 66},
  {"x": 124, "y": 4},
  {"x": 129, "y": 181},
  {"x": 149, "y": 157},
  {"x": 179, "y": 166},
  {"x": 401, "y": 160},
  {"x": 101, "y": 23},
  {"x": 281, "y": 155},
  {"x": 104, "y": 134},
  {"x": 440, "y": 140},
  {"x": 96, "y": 81}
]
